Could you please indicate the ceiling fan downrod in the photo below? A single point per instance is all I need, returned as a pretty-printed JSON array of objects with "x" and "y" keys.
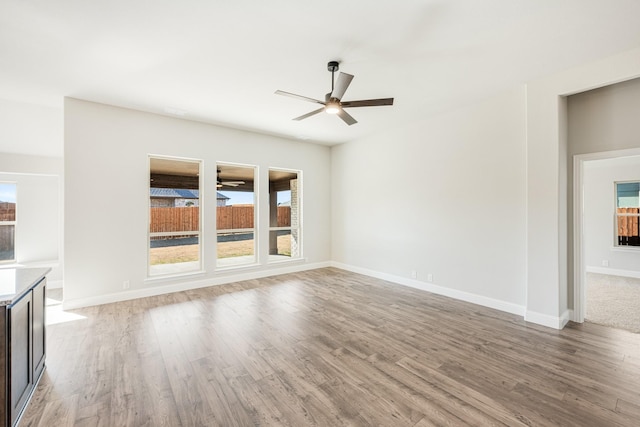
[{"x": 333, "y": 66}]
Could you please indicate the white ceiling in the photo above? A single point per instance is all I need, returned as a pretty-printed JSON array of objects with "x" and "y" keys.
[{"x": 221, "y": 61}]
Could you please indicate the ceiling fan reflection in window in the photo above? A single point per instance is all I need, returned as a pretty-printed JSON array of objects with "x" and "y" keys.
[
  {"x": 333, "y": 103},
  {"x": 220, "y": 183}
]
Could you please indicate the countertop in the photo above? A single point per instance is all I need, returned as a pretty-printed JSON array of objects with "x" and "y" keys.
[{"x": 15, "y": 282}]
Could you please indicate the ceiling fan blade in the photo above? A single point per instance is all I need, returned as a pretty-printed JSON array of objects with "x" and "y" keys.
[
  {"x": 368, "y": 103},
  {"x": 314, "y": 112},
  {"x": 346, "y": 117},
  {"x": 232, "y": 183},
  {"x": 344, "y": 80},
  {"x": 293, "y": 95}
]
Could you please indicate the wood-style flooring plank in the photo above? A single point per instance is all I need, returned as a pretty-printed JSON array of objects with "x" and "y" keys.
[
  {"x": 629, "y": 409},
  {"x": 329, "y": 348},
  {"x": 60, "y": 412},
  {"x": 220, "y": 395}
]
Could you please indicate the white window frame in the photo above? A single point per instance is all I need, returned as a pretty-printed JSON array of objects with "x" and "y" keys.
[
  {"x": 254, "y": 230},
  {"x": 15, "y": 226},
  {"x": 181, "y": 272},
  {"x": 291, "y": 228},
  {"x": 617, "y": 215}
]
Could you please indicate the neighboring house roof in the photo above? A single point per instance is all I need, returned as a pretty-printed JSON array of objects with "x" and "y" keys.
[
  {"x": 287, "y": 203},
  {"x": 178, "y": 193}
]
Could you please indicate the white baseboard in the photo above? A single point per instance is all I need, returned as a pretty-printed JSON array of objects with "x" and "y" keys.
[
  {"x": 555, "y": 322},
  {"x": 69, "y": 304},
  {"x": 435, "y": 289},
  {"x": 613, "y": 272}
]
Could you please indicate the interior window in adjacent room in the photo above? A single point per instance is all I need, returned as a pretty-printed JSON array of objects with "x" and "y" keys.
[
  {"x": 235, "y": 215},
  {"x": 8, "y": 194},
  {"x": 174, "y": 216},
  {"x": 627, "y": 213},
  {"x": 285, "y": 220}
]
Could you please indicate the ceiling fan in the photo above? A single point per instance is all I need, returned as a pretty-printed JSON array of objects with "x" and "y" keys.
[
  {"x": 333, "y": 103},
  {"x": 220, "y": 183}
]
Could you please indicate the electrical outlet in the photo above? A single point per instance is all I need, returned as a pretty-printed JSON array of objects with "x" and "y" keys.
[
  {"x": 414, "y": 274},
  {"x": 125, "y": 284},
  {"x": 429, "y": 277},
  {"x": 605, "y": 263}
]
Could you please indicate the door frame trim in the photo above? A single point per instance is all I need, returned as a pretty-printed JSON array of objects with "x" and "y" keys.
[{"x": 579, "y": 269}]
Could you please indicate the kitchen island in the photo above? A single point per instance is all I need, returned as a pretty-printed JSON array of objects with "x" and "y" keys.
[{"x": 22, "y": 338}]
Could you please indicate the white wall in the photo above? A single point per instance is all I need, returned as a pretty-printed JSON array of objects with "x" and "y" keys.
[
  {"x": 30, "y": 129},
  {"x": 39, "y": 209},
  {"x": 599, "y": 202},
  {"x": 106, "y": 196},
  {"x": 549, "y": 276},
  {"x": 444, "y": 196}
]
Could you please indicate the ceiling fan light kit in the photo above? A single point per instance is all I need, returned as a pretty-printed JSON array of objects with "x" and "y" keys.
[
  {"x": 332, "y": 107},
  {"x": 333, "y": 100}
]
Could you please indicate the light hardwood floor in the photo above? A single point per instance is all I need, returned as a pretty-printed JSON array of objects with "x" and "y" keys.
[{"x": 329, "y": 348}]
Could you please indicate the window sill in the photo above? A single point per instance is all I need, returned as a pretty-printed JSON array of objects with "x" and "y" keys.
[
  {"x": 14, "y": 264},
  {"x": 629, "y": 249},
  {"x": 283, "y": 259},
  {"x": 237, "y": 267},
  {"x": 10, "y": 264}
]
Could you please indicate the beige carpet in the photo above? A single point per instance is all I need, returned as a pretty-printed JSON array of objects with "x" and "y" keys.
[{"x": 613, "y": 301}]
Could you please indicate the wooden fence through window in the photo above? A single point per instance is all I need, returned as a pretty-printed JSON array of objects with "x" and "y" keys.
[
  {"x": 236, "y": 216},
  {"x": 165, "y": 220},
  {"x": 7, "y": 234},
  {"x": 7, "y": 238},
  {"x": 7, "y": 211},
  {"x": 628, "y": 225},
  {"x": 227, "y": 218}
]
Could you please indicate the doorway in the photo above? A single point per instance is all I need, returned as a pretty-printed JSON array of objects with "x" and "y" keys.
[{"x": 603, "y": 270}]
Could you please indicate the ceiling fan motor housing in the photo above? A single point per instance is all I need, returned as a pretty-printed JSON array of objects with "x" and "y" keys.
[{"x": 333, "y": 66}]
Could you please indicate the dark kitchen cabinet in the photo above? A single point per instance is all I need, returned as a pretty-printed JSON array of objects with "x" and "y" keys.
[{"x": 22, "y": 349}]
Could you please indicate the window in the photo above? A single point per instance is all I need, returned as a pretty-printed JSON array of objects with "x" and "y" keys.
[
  {"x": 7, "y": 221},
  {"x": 284, "y": 215},
  {"x": 627, "y": 213},
  {"x": 235, "y": 215},
  {"x": 174, "y": 216}
]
